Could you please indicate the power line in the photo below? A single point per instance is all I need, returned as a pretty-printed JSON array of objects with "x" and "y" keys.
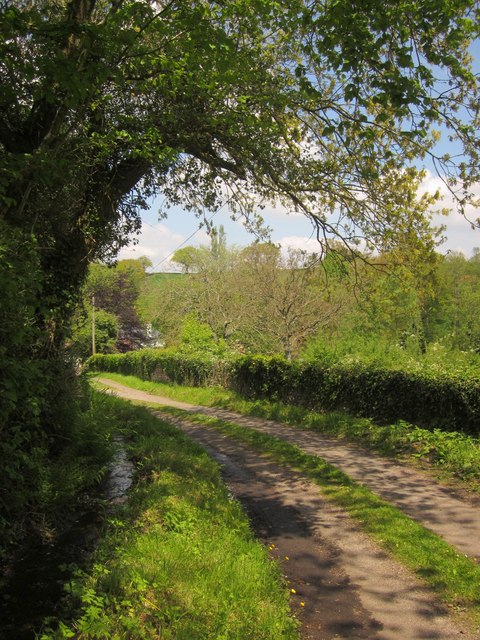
[{"x": 184, "y": 241}]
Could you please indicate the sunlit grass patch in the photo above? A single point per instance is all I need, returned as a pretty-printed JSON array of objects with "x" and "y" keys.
[
  {"x": 179, "y": 561},
  {"x": 454, "y": 577},
  {"x": 209, "y": 396}
]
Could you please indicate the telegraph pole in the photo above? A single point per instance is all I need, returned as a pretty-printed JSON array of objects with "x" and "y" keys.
[{"x": 93, "y": 326}]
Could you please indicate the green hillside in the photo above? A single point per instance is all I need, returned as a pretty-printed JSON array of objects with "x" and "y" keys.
[{"x": 150, "y": 292}]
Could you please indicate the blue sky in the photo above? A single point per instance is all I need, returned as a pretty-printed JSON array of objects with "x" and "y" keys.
[{"x": 160, "y": 238}]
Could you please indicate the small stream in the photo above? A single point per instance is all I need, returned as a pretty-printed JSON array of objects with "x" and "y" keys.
[
  {"x": 35, "y": 580},
  {"x": 120, "y": 475}
]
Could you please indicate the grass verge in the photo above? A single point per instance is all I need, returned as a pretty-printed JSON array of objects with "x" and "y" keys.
[
  {"x": 451, "y": 575},
  {"x": 179, "y": 559},
  {"x": 453, "y": 454}
]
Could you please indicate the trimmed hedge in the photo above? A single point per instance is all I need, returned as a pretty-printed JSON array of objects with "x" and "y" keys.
[
  {"x": 443, "y": 401},
  {"x": 448, "y": 402},
  {"x": 162, "y": 366}
]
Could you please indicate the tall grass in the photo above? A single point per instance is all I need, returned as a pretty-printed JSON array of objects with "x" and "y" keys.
[
  {"x": 454, "y": 455},
  {"x": 179, "y": 561},
  {"x": 436, "y": 357}
]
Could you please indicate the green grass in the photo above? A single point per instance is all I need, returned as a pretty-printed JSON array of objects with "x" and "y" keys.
[
  {"x": 152, "y": 287},
  {"x": 455, "y": 455},
  {"x": 179, "y": 560},
  {"x": 451, "y": 575},
  {"x": 454, "y": 577}
]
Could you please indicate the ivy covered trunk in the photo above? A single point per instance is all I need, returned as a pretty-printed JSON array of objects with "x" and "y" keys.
[
  {"x": 34, "y": 381},
  {"x": 105, "y": 104}
]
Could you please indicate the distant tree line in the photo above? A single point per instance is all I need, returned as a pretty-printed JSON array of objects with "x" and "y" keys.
[
  {"x": 107, "y": 311},
  {"x": 258, "y": 299}
]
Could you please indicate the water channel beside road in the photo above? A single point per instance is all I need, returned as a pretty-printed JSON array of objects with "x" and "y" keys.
[{"x": 33, "y": 585}]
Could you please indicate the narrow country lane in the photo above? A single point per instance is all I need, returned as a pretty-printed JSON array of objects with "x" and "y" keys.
[{"x": 344, "y": 585}]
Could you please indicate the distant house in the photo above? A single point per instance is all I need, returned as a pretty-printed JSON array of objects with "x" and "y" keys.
[{"x": 152, "y": 337}]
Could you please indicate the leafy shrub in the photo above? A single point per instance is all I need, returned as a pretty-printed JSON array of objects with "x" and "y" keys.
[
  {"x": 23, "y": 384},
  {"x": 446, "y": 401},
  {"x": 162, "y": 365}
]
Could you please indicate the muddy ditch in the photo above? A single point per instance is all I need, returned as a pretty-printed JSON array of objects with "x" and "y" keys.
[{"x": 33, "y": 583}]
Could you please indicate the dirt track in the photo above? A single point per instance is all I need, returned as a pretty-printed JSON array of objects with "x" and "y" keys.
[{"x": 348, "y": 586}]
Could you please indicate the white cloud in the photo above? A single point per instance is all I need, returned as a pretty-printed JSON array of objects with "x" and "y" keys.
[
  {"x": 459, "y": 233},
  {"x": 277, "y": 209},
  {"x": 433, "y": 183},
  {"x": 156, "y": 242},
  {"x": 300, "y": 242}
]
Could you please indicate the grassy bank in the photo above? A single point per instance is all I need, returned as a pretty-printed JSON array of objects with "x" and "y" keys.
[
  {"x": 452, "y": 576},
  {"x": 179, "y": 559},
  {"x": 453, "y": 455}
]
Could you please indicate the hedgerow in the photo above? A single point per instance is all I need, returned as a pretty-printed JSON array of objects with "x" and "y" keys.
[
  {"x": 445, "y": 401},
  {"x": 163, "y": 366}
]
